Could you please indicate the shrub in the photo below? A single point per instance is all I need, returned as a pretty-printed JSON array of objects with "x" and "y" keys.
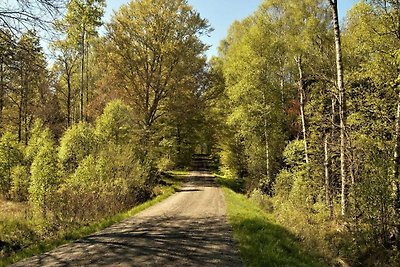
[
  {"x": 10, "y": 156},
  {"x": 20, "y": 183},
  {"x": 294, "y": 153},
  {"x": 283, "y": 184},
  {"x": 103, "y": 185},
  {"x": 76, "y": 144},
  {"x": 115, "y": 124},
  {"x": 44, "y": 180},
  {"x": 38, "y": 135},
  {"x": 233, "y": 158},
  {"x": 85, "y": 176}
]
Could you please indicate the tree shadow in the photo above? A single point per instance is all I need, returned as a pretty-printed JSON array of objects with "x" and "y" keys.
[{"x": 163, "y": 241}]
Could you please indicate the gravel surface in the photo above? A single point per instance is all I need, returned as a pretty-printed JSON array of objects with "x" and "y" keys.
[{"x": 187, "y": 229}]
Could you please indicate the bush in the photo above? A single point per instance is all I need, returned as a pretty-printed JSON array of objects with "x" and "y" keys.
[
  {"x": 20, "y": 183},
  {"x": 115, "y": 124},
  {"x": 80, "y": 197},
  {"x": 283, "y": 184},
  {"x": 294, "y": 153},
  {"x": 10, "y": 156},
  {"x": 233, "y": 158},
  {"x": 37, "y": 138},
  {"x": 372, "y": 213},
  {"x": 103, "y": 185},
  {"x": 86, "y": 177},
  {"x": 44, "y": 180},
  {"x": 76, "y": 144}
]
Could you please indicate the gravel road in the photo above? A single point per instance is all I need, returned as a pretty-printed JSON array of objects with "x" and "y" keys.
[{"x": 187, "y": 229}]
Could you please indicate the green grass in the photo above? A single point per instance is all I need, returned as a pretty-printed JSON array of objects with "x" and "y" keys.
[
  {"x": 64, "y": 238},
  {"x": 263, "y": 242}
]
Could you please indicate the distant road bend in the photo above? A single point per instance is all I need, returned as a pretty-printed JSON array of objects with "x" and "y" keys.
[{"x": 187, "y": 229}]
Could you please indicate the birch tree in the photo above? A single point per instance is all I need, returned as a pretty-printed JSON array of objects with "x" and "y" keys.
[{"x": 342, "y": 106}]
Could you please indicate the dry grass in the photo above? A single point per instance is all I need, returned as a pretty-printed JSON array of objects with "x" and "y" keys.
[{"x": 13, "y": 210}]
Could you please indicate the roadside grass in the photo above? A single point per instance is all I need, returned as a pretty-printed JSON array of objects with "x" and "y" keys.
[
  {"x": 262, "y": 241},
  {"x": 174, "y": 182}
]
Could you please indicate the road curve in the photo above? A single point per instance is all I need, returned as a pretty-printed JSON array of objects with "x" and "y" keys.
[{"x": 187, "y": 229}]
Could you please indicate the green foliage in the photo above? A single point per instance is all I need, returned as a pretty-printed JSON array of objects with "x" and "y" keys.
[
  {"x": 139, "y": 27},
  {"x": 76, "y": 144},
  {"x": 86, "y": 177},
  {"x": 294, "y": 153},
  {"x": 38, "y": 137},
  {"x": 261, "y": 200},
  {"x": 83, "y": 17},
  {"x": 10, "y": 156},
  {"x": 283, "y": 184},
  {"x": 80, "y": 197},
  {"x": 102, "y": 185},
  {"x": 45, "y": 179},
  {"x": 233, "y": 158},
  {"x": 304, "y": 192},
  {"x": 20, "y": 183},
  {"x": 14, "y": 234},
  {"x": 295, "y": 183},
  {"x": 116, "y": 124}
]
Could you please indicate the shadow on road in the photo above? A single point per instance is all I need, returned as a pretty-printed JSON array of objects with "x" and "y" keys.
[{"x": 156, "y": 241}]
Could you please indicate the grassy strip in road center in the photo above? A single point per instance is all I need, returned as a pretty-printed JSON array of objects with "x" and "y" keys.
[
  {"x": 174, "y": 184},
  {"x": 262, "y": 242}
]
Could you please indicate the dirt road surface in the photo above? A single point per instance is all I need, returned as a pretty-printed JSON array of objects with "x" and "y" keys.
[{"x": 187, "y": 229}]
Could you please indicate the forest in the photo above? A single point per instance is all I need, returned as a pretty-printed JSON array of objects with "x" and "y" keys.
[{"x": 299, "y": 109}]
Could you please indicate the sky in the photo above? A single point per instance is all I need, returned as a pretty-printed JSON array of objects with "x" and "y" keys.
[{"x": 221, "y": 14}]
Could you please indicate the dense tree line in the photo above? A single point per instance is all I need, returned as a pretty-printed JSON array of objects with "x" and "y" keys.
[{"x": 312, "y": 120}]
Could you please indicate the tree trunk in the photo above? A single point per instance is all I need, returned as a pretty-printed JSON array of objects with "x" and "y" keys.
[
  {"x": 87, "y": 79},
  {"x": 332, "y": 161},
  {"x": 81, "y": 117},
  {"x": 342, "y": 107},
  {"x": 25, "y": 113},
  {"x": 282, "y": 84},
  {"x": 302, "y": 96},
  {"x": 21, "y": 105},
  {"x": 68, "y": 100},
  {"x": 283, "y": 93},
  {"x": 19, "y": 123},
  {"x": 266, "y": 144},
  {"x": 396, "y": 160},
  {"x": 266, "y": 136},
  {"x": 328, "y": 184},
  {"x": 2, "y": 91}
]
